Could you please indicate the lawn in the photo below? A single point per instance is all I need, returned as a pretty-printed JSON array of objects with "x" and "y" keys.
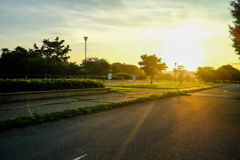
[{"x": 167, "y": 85}]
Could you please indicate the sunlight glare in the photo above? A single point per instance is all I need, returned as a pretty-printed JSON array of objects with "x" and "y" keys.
[{"x": 183, "y": 46}]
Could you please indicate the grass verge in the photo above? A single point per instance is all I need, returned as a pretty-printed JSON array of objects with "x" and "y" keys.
[
  {"x": 168, "y": 85},
  {"x": 37, "y": 118}
]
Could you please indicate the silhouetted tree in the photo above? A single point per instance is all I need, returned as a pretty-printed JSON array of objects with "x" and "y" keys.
[
  {"x": 115, "y": 68},
  {"x": 52, "y": 52},
  {"x": 235, "y": 29},
  {"x": 128, "y": 68},
  {"x": 206, "y": 73},
  {"x": 95, "y": 66},
  {"x": 228, "y": 73},
  {"x": 19, "y": 61},
  {"x": 151, "y": 65}
]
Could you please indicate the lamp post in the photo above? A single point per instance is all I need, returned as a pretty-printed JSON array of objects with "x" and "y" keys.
[
  {"x": 85, "y": 38},
  {"x": 175, "y": 71}
]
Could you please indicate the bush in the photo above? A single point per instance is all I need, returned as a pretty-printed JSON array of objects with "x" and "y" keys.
[
  {"x": 22, "y": 85},
  {"x": 106, "y": 77},
  {"x": 124, "y": 75}
]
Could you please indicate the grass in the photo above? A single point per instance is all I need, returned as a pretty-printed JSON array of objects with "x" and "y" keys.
[
  {"x": 65, "y": 102},
  {"x": 166, "y": 85},
  {"x": 52, "y": 103},
  {"x": 122, "y": 90}
]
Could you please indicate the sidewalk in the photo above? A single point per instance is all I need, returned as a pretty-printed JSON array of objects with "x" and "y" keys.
[{"x": 28, "y": 108}]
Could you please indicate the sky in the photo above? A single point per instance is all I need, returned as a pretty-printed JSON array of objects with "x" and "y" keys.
[{"x": 186, "y": 32}]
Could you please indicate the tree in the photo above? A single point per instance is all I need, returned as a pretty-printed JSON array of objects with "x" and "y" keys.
[
  {"x": 206, "y": 73},
  {"x": 165, "y": 76},
  {"x": 52, "y": 52},
  {"x": 95, "y": 66},
  {"x": 115, "y": 68},
  {"x": 228, "y": 73},
  {"x": 235, "y": 29},
  {"x": 180, "y": 71},
  {"x": 19, "y": 61},
  {"x": 151, "y": 65},
  {"x": 127, "y": 68}
]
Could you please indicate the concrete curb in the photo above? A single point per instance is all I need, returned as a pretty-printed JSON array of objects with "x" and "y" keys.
[{"x": 24, "y": 96}]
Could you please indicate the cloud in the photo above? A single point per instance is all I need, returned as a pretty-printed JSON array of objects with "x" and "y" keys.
[{"x": 87, "y": 14}]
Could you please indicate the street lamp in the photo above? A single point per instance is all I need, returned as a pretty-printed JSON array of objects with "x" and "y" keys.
[
  {"x": 85, "y": 38},
  {"x": 175, "y": 71}
]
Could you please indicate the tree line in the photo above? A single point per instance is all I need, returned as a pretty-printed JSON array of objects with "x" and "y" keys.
[
  {"x": 51, "y": 58},
  {"x": 225, "y": 73}
]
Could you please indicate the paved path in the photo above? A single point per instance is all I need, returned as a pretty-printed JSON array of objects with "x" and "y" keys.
[{"x": 28, "y": 108}]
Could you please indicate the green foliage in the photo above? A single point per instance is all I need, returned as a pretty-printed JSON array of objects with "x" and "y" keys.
[
  {"x": 164, "y": 76},
  {"x": 22, "y": 85},
  {"x": 225, "y": 73},
  {"x": 180, "y": 71},
  {"x": 122, "y": 90},
  {"x": 106, "y": 77},
  {"x": 167, "y": 85},
  {"x": 95, "y": 66},
  {"x": 52, "y": 52},
  {"x": 126, "y": 68},
  {"x": 151, "y": 65},
  {"x": 125, "y": 76},
  {"x": 50, "y": 58},
  {"x": 228, "y": 73},
  {"x": 207, "y": 74},
  {"x": 20, "y": 61},
  {"x": 235, "y": 29}
]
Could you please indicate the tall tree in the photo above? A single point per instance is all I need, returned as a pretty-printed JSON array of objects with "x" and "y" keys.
[
  {"x": 17, "y": 61},
  {"x": 151, "y": 65},
  {"x": 127, "y": 68},
  {"x": 53, "y": 52},
  {"x": 95, "y": 66},
  {"x": 228, "y": 73},
  {"x": 235, "y": 29},
  {"x": 115, "y": 68},
  {"x": 206, "y": 73}
]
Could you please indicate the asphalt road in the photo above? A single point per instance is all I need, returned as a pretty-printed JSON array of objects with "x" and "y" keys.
[{"x": 183, "y": 127}]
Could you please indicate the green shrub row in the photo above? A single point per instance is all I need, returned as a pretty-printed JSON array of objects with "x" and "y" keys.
[
  {"x": 124, "y": 75},
  {"x": 22, "y": 85},
  {"x": 106, "y": 77}
]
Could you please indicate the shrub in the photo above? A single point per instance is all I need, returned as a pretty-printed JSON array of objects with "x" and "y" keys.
[
  {"x": 22, "y": 85},
  {"x": 124, "y": 75},
  {"x": 106, "y": 77}
]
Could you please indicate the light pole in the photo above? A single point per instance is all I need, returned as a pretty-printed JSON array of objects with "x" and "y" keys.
[
  {"x": 85, "y": 38},
  {"x": 175, "y": 71}
]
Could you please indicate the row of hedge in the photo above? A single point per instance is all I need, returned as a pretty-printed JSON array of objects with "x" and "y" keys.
[
  {"x": 106, "y": 78},
  {"x": 22, "y": 85}
]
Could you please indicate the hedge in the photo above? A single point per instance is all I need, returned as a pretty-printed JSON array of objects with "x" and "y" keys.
[
  {"x": 106, "y": 77},
  {"x": 124, "y": 75},
  {"x": 22, "y": 85}
]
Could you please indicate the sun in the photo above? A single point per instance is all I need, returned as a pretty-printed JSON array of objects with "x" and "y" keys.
[
  {"x": 185, "y": 52},
  {"x": 183, "y": 46}
]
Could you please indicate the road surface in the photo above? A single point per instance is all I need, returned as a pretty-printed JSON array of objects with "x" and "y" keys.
[{"x": 183, "y": 127}]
